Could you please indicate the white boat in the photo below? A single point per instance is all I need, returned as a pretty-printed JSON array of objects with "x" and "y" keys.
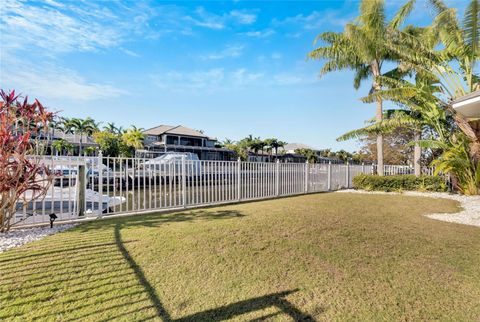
[{"x": 63, "y": 201}]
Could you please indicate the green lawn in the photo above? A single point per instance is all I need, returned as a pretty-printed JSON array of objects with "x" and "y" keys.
[{"x": 316, "y": 257}]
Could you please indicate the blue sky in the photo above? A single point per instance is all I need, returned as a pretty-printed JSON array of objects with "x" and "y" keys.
[{"x": 228, "y": 68}]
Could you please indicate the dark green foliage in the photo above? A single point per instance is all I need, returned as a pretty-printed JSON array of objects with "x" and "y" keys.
[{"x": 400, "y": 182}]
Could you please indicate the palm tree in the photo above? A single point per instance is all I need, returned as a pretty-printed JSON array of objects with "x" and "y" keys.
[
  {"x": 275, "y": 144},
  {"x": 59, "y": 145},
  {"x": 254, "y": 144},
  {"x": 450, "y": 71},
  {"x": 66, "y": 125},
  {"x": 362, "y": 47},
  {"x": 133, "y": 138},
  {"x": 82, "y": 127},
  {"x": 55, "y": 124},
  {"x": 269, "y": 145},
  {"x": 111, "y": 128},
  {"x": 261, "y": 146}
]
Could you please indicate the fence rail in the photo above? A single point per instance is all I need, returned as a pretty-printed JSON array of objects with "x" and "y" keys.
[{"x": 100, "y": 186}]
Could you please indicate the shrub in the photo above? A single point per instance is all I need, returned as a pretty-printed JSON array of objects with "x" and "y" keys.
[
  {"x": 21, "y": 124},
  {"x": 399, "y": 183}
]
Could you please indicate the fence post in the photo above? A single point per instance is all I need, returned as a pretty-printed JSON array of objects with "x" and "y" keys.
[
  {"x": 184, "y": 183},
  {"x": 100, "y": 183},
  {"x": 347, "y": 175},
  {"x": 277, "y": 178},
  {"x": 363, "y": 167},
  {"x": 239, "y": 179},
  {"x": 306, "y": 176},
  {"x": 80, "y": 193},
  {"x": 329, "y": 176}
]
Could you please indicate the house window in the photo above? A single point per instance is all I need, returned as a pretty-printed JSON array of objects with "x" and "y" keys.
[
  {"x": 172, "y": 140},
  {"x": 151, "y": 138}
]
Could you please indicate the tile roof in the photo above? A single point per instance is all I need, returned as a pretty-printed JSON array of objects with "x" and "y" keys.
[{"x": 176, "y": 130}]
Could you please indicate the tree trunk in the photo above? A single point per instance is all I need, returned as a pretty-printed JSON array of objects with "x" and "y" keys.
[
  {"x": 80, "y": 147},
  {"x": 467, "y": 128},
  {"x": 379, "y": 117},
  {"x": 417, "y": 154}
]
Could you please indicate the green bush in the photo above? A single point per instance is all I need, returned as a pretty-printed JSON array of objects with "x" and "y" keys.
[{"x": 400, "y": 183}]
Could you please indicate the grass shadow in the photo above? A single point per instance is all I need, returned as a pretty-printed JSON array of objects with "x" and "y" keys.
[
  {"x": 157, "y": 219},
  {"x": 152, "y": 293},
  {"x": 217, "y": 314}
]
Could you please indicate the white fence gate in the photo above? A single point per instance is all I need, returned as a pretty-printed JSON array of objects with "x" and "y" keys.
[{"x": 99, "y": 186}]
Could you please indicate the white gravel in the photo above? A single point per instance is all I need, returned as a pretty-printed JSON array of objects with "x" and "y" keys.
[
  {"x": 470, "y": 215},
  {"x": 19, "y": 237}
]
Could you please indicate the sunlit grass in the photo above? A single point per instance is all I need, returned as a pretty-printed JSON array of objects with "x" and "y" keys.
[{"x": 322, "y": 257}]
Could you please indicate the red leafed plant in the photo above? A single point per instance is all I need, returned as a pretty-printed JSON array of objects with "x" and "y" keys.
[{"x": 21, "y": 124}]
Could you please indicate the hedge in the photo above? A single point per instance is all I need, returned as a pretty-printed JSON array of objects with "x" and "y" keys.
[{"x": 400, "y": 183}]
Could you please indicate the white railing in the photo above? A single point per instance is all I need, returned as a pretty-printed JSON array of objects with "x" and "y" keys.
[
  {"x": 390, "y": 170},
  {"x": 100, "y": 186}
]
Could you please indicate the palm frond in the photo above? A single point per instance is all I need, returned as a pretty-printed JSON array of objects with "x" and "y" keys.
[{"x": 402, "y": 14}]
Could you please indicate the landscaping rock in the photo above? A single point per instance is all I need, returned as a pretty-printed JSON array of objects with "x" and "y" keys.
[
  {"x": 470, "y": 215},
  {"x": 19, "y": 237}
]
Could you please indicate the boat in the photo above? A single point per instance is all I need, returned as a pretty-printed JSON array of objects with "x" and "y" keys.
[{"x": 62, "y": 202}]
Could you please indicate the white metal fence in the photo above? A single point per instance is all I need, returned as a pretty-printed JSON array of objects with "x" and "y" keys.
[
  {"x": 99, "y": 186},
  {"x": 390, "y": 170}
]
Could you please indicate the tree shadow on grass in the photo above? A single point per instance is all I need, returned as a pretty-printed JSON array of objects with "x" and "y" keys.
[
  {"x": 157, "y": 219},
  {"x": 230, "y": 311},
  {"x": 93, "y": 276}
]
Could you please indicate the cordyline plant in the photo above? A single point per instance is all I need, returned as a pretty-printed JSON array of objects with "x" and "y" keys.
[{"x": 21, "y": 176}]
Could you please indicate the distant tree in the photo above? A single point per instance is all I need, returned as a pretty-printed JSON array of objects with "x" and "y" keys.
[
  {"x": 83, "y": 127},
  {"x": 109, "y": 143},
  {"x": 397, "y": 147},
  {"x": 277, "y": 144},
  {"x": 311, "y": 156},
  {"x": 90, "y": 150},
  {"x": 59, "y": 145},
  {"x": 111, "y": 128},
  {"x": 240, "y": 148},
  {"x": 133, "y": 138}
]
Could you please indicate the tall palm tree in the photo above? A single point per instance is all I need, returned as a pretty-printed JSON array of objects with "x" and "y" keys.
[
  {"x": 83, "y": 127},
  {"x": 362, "y": 47},
  {"x": 449, "y": 66}
]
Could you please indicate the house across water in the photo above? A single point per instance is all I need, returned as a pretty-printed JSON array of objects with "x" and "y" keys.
[{"x": 168, "y": 138}]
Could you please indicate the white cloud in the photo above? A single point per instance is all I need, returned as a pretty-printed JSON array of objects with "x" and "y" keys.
[
  {"x": 230, "y": 51},
  {"x": 203, "y": 18},
  {"x": 242, "y": 77},
  {"x": 260, "y": 33},
  {"x": 56, "y": 29},
  {"x": 55, "y": 83},
  {"x": 287, "y": 79},
  {"x": 276, "y": 56},
  {"x": 129, "y": 52},
  {"x": 218, "y": 80},
  {"x": 244, "y": 17},
  {"x": 211, "y": 80},
  {"x": 293, "y": 78},
  {"x": 316, "y": 19},
  {"x": 197, "y": 80}
]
